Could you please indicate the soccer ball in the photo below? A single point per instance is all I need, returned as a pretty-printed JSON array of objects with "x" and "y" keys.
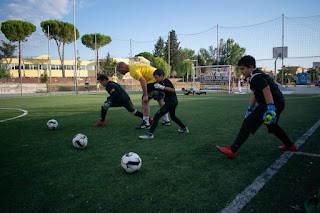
[
  {"x": 52, "y": 124},
  {"x": 80, "y": 141},
  {"x": 131, "y": 162}
]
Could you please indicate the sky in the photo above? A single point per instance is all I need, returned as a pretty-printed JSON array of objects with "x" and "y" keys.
[{"x": 135, "y": 25}]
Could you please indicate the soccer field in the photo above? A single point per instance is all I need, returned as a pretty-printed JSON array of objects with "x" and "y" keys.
[{"x": 42, "y": 172}]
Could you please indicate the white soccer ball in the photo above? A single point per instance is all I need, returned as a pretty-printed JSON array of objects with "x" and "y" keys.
[
  {"x": 80, "y": 141},
  {"x": 131, "y": 162},
  {"x": 52, "y": 124}
]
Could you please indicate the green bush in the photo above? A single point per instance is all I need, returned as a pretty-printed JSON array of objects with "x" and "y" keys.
[
  {"x": 4, "y": 73},
  {"x": 44, "y": 77}
]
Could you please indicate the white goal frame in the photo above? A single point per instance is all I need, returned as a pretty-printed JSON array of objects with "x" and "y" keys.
[{"x": 216, "y": 77}]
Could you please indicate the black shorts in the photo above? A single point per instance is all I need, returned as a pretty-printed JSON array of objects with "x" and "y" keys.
[
  {"x": 126, "y": 103},
  {"x": 154, "y": 93}
]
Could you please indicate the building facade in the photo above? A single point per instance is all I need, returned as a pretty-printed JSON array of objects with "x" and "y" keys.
[{"x": 38, "y": 66}]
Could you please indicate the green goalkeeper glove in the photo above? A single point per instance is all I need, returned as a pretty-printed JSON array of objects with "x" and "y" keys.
[{"x": 270, "y": 116}]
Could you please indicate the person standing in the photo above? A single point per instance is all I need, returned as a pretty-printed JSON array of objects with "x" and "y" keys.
[
  {"x": 271, "y": 103},
  {"x": 86, "y": 85},
  {"x": 171, "y": 103},
  {"x": 144, "y": 74}
]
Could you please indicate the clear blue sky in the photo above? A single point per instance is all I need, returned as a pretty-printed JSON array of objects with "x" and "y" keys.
[{"x": 146, "y": 20}]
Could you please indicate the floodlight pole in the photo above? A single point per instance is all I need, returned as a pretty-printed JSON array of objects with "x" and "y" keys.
[
  {"x": 282, "y": 45},
  {"x": 130, "y": 49},
  {"x": 96, "y": 55},
  {"x": 49, "y": 61},
  {"x": 218, "y": 56},
  {"x": 275, "y": 67},
  {"x": 75, "y": 47},
  {"x": 169, "y": 54}
]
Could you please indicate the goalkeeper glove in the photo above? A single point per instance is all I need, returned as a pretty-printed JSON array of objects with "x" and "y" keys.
[
  {"x": 107, "y": 104},
  {"x": 159, "y": 86},
  {"x": 270, "y": 116},
  {"x": 249, "y": 110}
]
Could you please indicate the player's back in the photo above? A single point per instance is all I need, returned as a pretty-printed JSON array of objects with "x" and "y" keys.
[
  {"x": 142, "y": 70},
  {"x": 121, "y": 93}
]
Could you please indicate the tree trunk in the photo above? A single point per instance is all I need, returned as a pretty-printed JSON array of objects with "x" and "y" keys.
[
  {"x": 62, "y": 62},
  {"x": 60, "y": 56},
  {"x": 20, "y": 56},
  {"x": 98, "y": 61}
]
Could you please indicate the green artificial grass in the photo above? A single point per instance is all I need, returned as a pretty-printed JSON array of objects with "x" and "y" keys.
[{"x": 42, "y": 172}]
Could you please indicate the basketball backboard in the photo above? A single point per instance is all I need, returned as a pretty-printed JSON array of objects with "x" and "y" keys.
[{"x": 277, "y": 51}]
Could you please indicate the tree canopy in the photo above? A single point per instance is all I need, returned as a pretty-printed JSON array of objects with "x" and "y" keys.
[
  {"x": 146, "y": 55},
  {"x": 174, "y": 50},
  {"x": 230, "y": 52},
  {"x": 17, "y": 31},
  {"x": 7, "y": 51},
  {"x": 160, "y": 63},
  {"x": 159, "y": 48},
  {"x": 62, "y": 33},
  {"x": 108, "y": 65},
  {"x": 95, "y": 41}
]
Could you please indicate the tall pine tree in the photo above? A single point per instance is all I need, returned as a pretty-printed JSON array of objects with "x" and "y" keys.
[
  {"x": 174, "y": 50},
  {"x": 159, "y": 49}
]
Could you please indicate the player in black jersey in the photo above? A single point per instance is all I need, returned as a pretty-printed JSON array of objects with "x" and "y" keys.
[
  {"x": 171, "y": 103},
  {"x": 271, "y": 103},
  {"x": 118, "y": 98}
]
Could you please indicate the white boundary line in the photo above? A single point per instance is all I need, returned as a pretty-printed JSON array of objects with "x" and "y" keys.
[
  {"x": 25, "y": 112},
  {"x": 248, "y": 193},
  {"x": 307, "y": 154}
]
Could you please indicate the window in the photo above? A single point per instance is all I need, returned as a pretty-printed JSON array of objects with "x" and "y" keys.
[{"x": 90, "y": 67}]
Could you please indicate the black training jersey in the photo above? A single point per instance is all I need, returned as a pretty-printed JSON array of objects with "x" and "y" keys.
[
  {"x": 119, "y": 93},
  {"x": 169, "y": 97},
  {"x": 258, "y": 81}
]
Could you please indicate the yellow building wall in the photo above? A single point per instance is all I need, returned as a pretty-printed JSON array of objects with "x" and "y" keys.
[{"x": 43, "y": 60}]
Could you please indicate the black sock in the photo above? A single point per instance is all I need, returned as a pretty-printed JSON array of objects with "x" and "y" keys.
[
  {"x": 139, "y": 114},
  {"x": 103, "y": 114}
]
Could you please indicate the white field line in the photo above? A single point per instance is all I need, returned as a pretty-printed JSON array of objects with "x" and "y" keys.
[
  {"x": 248, "y": 193},
  {"x": 25, "y": 112},
  {"x": 307, "y": 154}
]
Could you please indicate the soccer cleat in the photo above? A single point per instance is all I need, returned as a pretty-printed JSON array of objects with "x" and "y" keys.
[
  {"x": 183, "y": 130},
  {"x": 226, "y": 151},
  {"x": 100, "y": 123},
  {"x": 143, "y": 126},
  {"x": 165, "y": 123},
  {"x": 146, "y": 136},
  {"x": 293, "y": 148}
]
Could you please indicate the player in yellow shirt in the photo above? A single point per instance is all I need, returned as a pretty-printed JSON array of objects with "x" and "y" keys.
[{"x": 144, "y": 74}]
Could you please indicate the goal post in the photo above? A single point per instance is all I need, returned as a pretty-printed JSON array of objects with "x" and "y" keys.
[{"x": 216, "y": 77}]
